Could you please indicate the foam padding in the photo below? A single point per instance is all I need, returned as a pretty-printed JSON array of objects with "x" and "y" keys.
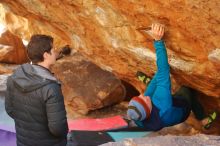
[
  {"x": 88, "y": 138},
  {"x": 7, "y": 138},
  {"x": 88, "y": 124},
  {"x": 118, "y": 136}
]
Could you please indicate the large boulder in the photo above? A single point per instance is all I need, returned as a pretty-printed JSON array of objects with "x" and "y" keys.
[
  {"x": 105, "y": 31},
  {"x": 86, "y": 86},
  {"x": 12, "y": 50}
]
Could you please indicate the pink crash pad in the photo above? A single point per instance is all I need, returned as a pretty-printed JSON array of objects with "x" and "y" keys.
[{"x": 88, "y": 124}]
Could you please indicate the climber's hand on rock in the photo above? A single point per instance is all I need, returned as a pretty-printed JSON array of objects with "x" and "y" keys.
[{"x": 157, "y": 31}]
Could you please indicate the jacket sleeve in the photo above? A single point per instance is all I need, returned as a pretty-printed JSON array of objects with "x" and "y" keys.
[
  {"x": 56, "y": 113},
  {"x": 8, "y": 99}
]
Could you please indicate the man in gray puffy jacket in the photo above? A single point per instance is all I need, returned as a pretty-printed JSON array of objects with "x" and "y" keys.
[{"x": 34, "y": 98}]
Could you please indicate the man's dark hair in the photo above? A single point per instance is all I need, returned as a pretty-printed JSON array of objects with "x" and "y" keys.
[{"x": 37, "y": 46}]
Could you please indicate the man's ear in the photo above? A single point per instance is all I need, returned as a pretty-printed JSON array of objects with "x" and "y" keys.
[{"x": 45, "y": 55}]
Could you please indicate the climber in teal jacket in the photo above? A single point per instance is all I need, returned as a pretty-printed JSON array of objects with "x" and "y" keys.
[{"x": 157, "y": 108}]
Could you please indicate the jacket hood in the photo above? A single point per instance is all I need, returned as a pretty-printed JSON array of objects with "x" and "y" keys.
[{"x": 29, "y": 77}]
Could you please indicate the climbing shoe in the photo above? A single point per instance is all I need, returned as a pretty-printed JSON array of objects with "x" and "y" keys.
[
  {"x": 143, "y": 77},
  {"x": 211, "y": 118}
]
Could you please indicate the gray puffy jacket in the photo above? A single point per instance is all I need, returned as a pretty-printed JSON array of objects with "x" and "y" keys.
[{"x": 35, "y": 101}]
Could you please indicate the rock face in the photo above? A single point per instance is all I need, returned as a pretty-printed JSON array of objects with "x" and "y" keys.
[
  {"x": 105, "y": 32},
  {"x": 86, "y": 86},
  {"x": 196, "y": 140},
  {"x": 12, "y": 49}
]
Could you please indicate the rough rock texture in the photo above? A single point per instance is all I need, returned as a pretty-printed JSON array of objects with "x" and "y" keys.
[
  {"x": 12, "y": 49},
  {"x": 7, "y": 68},
  {"x": 86, "y": 86},
  {"x": 169, "y": 140},
  {"x": 105, "y": 32}
]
